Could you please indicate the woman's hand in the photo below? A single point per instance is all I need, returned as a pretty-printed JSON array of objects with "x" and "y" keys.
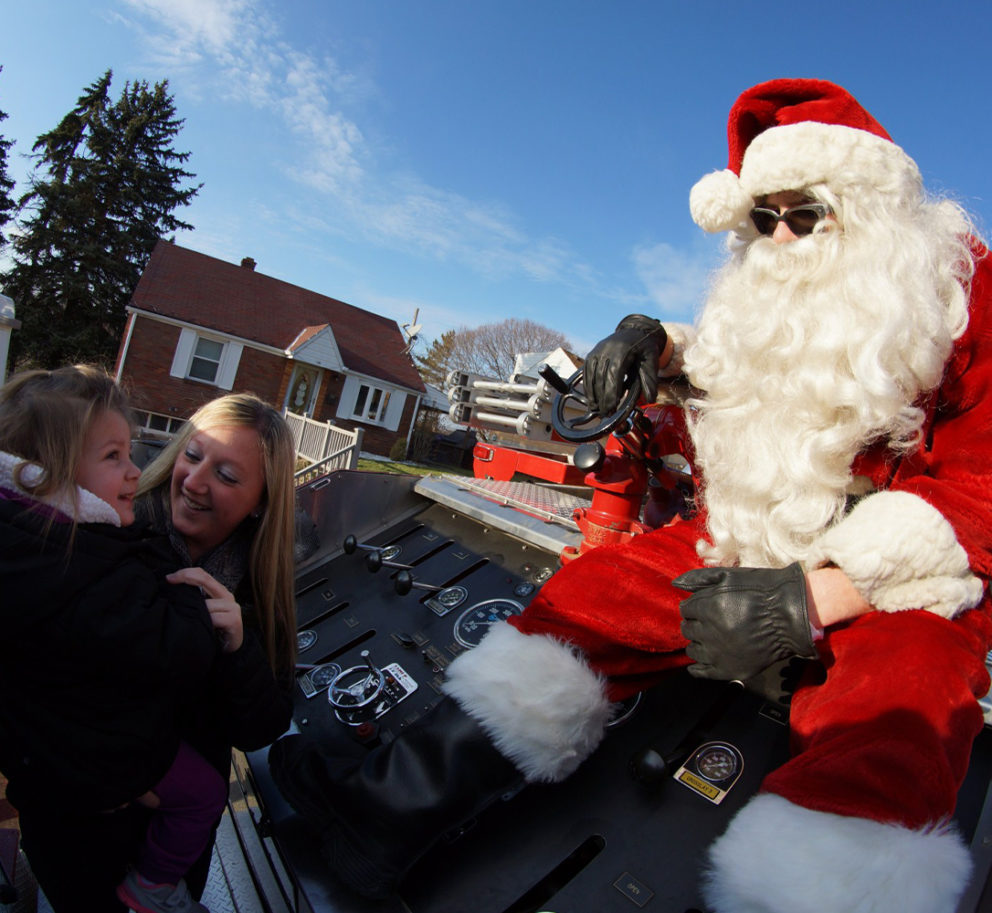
[{"x": 224, "y": 610}]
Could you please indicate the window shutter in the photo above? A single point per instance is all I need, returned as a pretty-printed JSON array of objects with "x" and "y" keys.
[
  {"x": 346, "y": 402},
  {"x": 394, "y": 411},
  {"x": 184, "y": 351},
  {"x": 229, "y": 362}
]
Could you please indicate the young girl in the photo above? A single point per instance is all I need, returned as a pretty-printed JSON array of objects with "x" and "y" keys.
[{"x": 99, "y": 653}]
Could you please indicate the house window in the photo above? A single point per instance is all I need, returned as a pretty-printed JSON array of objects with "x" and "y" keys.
[
  {"x": 371, "y": 404},
  {"x": 162, "y": 424},
  {"x": 364, "y": 400},
  {"x": 205, "y": 363},
  {"x": 206, "y": 359}
]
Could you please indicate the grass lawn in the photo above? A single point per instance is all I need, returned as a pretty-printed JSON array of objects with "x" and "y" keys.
[{"x": 417, "y": 469}]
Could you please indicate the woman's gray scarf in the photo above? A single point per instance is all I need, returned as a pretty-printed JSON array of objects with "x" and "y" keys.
[{"x": 227, "y": 563}]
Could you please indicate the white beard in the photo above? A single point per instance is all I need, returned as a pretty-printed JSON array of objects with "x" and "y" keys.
[{"x": 807, "y": 352}]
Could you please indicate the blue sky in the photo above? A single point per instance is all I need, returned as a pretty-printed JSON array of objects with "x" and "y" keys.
[{"x": 484, "y": 159}]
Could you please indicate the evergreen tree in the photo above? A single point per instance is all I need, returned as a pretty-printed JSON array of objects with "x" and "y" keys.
[
  {"x": 7, "y": 205},
  {"x": 438, "y": 360},
  {"x": 106, "y": 183}
]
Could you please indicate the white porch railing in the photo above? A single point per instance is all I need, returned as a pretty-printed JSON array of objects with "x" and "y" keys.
[{"x": 324, "y": 445}]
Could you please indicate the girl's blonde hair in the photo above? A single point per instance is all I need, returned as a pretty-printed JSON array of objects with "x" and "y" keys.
[
  {"x": 44, "y": 417},
  {"x": 271, "y": 557}
]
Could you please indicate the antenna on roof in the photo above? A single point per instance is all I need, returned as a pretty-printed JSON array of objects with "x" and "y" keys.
[{"x": 412, "y": 332}]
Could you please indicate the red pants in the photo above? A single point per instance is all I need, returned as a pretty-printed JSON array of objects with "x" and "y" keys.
[{"x": 886, "y": 736}]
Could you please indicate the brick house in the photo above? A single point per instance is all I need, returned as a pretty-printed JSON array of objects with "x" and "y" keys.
[{"x": 199, "y": 327}]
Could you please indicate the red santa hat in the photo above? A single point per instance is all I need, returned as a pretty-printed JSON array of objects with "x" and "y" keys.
[{"x": 789, "y": 134}]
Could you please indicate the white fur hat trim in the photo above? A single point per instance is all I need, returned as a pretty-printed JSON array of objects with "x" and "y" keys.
[
  {"x": 901, "y": 553},
  {"x": 777, "y": 857},
  {"x": 539, "y": 702},
  {"x": 795, "y": 156}
]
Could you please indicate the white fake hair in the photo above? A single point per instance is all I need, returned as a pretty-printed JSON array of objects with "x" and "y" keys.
[{"x": 811, "y": 350}]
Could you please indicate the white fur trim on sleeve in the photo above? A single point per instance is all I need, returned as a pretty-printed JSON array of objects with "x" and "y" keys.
[
  {"x": 535, "y": 697},
  {"x": 901, "y": 553},
  {"x": 777, "y": 857},
  {"x": 681, "y": 335}
]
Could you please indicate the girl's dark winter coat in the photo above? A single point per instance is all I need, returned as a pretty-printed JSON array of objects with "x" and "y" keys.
[{"x": 99, "y": 659}]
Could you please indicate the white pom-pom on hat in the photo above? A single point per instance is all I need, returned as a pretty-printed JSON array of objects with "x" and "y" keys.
[{"x": 718, "y": 202}]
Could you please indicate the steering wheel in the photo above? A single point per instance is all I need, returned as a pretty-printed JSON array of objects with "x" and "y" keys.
[{"x": 588, "y": 425}]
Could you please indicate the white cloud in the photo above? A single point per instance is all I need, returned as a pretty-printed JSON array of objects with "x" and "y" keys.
[
  {"x": 233, "y": 50},
  {"x": 188, "y": 31},
  {"x": 675, "y": 280}
]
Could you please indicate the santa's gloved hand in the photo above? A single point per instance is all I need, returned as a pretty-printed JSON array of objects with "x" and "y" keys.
[
  {"x": 635, "y": 346},
  {"x": 740, "y": 620}
]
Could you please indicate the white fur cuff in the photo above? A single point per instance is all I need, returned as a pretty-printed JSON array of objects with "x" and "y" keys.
[
  {"x": 681, "y": 335},
  {"x": 776, "y": 857},
  {"x": 543, "y": 707},
  {"x": 901, "y": 553}
]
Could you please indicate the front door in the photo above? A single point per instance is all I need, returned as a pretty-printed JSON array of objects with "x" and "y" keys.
[{"x": 302, "y": 392}]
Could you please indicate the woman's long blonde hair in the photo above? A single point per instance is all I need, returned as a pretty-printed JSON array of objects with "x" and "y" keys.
[{"x": 270, "y": 562}]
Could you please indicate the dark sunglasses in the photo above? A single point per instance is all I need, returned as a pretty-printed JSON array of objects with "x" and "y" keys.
[{"x": 801, "y": 219}]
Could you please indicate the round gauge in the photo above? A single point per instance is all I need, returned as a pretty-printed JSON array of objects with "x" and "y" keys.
[
  {"x": 624, "y": 710},
  {"x": 322, "y": 676},
  {"x": 474, "y": 623},
  {"x": 452, "y": 596},
  {"x": 717, "y": 763},
  {"x": 390, "y": 552},
  {"x": 305, "y": 640}
]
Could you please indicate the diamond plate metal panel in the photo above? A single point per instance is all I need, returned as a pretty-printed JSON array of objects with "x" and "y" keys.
[{"x": 549, "y": 503}]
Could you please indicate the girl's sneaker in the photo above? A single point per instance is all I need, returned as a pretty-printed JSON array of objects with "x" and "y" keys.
[{"x": 144, "y": 897}]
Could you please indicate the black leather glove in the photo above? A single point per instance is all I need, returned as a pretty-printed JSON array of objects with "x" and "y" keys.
[
  {"x": 740, "y": 620},
  {"x": 633, "y": 349}
]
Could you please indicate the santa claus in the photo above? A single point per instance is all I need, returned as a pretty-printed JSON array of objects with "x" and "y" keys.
[{"x": 840, "y": 426}]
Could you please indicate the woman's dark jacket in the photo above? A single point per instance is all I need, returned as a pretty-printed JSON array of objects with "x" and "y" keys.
[{"x": 242, "y": 706}]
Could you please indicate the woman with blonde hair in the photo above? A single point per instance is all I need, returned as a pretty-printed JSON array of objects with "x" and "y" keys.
[
  {"x": 222, "y": 491},
  {"x": 198, "y": 492}
]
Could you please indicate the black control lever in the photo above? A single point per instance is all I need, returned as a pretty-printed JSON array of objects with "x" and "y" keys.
[
  {"x": 351, "y": 545},
  {"x": 654, "y": 762},
  {"x": 589, "y": 457},
  {"x": 553, "y": 378},
  {"x": 375, "y": 562},
  {"x": 405, "y": 582},
  {"x": 650, "y": 765}
]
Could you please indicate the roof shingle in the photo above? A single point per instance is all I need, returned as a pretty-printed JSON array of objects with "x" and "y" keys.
[{"x": 216, "y": 295}]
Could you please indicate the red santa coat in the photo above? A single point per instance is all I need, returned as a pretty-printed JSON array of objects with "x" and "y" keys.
[
  {"x": 856, "y": 819},
  {"x": 887, "y": 735}
]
